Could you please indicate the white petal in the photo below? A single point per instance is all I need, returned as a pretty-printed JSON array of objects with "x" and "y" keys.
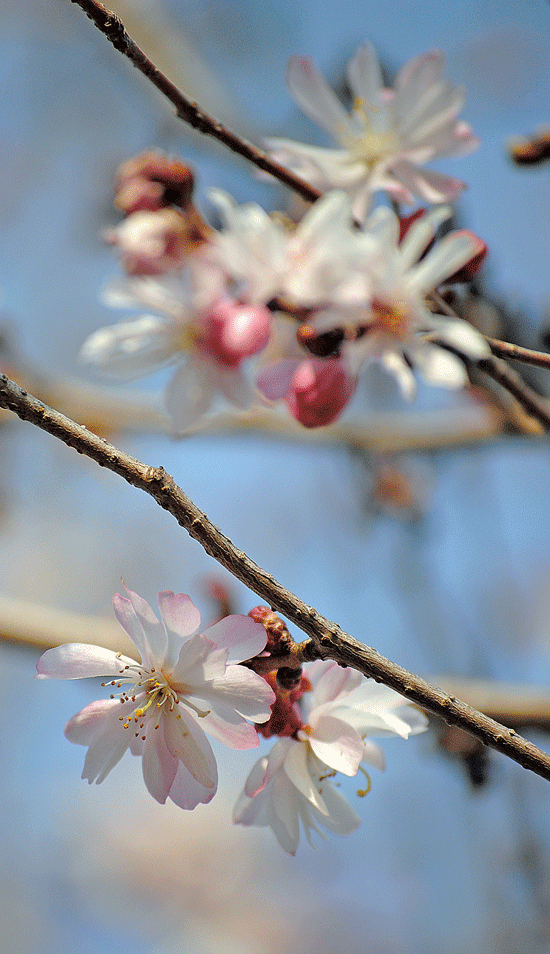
[
  {"x": 297, "y": 770},
  {"x": 341, "y": 818},
  {"x": 420, "y": 234},
  {"x": 243, "y": 690},
  {"x": 463, "y": 336},
  {"x": 364, "y": 75},
  {"x": 438, "y": 366},
  {"x": 445, "y": 258},
  {"x": 132, "y": 348},
  {"x": 79, "y": 661},
  {"x": 396, "y": 365},
  {"x": 337, "y": 744},
  {"x": 315, "y": 97},
  {"x": 430, "y": 185},
  {"x": 256, "y": 778},
  {"x": 283, "y": 813},
  {"x": 187, "y": 397}
]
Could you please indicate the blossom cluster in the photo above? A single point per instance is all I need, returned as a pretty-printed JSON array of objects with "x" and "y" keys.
[
  {"x": 271, "y": 309},
  {"x": 188, "y": 684}
]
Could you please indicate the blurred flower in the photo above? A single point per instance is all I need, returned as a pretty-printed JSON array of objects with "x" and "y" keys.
[
  {"x": 318, "y": 261},
  {"x": 153, "y": 243},
  {"x": 395, "y": 326},
  {"x": 389, "y": 134},
  {"x": 292, "y": 785},
  {"x": 181, "y": 677},
  {"x": 207, "y": 344}
]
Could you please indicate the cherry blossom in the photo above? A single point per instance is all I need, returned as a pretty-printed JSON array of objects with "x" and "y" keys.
[
  {"x": 187, "y": 682},
  {"x": 207, "y": 345},
  {"x": 317, "y": 261},
  {"x": 395, "y": 325},
  {"x": 292, "y": 785},
  {"x": 389, "y": 135}
]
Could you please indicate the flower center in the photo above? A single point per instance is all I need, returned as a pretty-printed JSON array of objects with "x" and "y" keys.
[
  {"x": 153, "y": 695},
  {"x": 375, "y": 138},
  {"x": 393, "y": 318}
]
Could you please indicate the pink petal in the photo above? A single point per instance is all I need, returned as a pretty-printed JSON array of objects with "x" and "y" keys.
[
  {"x": 199, "y": 662},
  {"x": 179, "y": 613},
  {"x": 159, "y": 766},
  {"x": 243, "y": 637},
  {"x": 257, "y": 778},
  {"x": 109, "y": 742},
  {"x": 83, "y": 726},
  {"x": 274, "y": 381},
  {"x": 156, "y": 639},
  {"x": 331, "y": 681},
  {"x": 187, "y": 742},
  {"x": 186, "y": 792},
  {"x": 130, "y": 622},
  {"x": 79, "y": 661},
  {"x": 227, "y": 726}
]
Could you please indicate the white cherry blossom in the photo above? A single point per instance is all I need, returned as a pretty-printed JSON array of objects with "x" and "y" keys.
[
  {"x": 205, "y": 344},
  {"x": 187, "y": 682},
  {"x": 320, "y": 260},
  {"x": 389, "y": 135},
  {"x": 395, "y": 325},
  {"x": 292, "y": 787}
]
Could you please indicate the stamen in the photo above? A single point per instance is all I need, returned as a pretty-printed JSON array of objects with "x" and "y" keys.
[{"x": 364, "y": 791}]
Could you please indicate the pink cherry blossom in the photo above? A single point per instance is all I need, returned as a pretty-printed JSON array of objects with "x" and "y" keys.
[
  {"x": 389, "y": 135},
  {"x": 291, "y": 787},
  {"x": 186, "y": 683}
]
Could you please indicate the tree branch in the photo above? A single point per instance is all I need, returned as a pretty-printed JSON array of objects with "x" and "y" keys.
[
  {"x": 330, "y": 642},
  {"x": 186, "y": 109}
]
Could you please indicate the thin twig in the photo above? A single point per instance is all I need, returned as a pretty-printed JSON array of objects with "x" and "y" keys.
[
  {"x": 513, "y": 352},
  {"x": 330, "y": 641},
  {"x": 498, "y": 370},
  {"x": 186, "y": 109}
]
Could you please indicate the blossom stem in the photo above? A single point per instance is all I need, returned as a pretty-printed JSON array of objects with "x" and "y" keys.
[
  {"x": 330, "y": 641},
  {"x": 498, "y": 370},
  {"x": 186, "y": 109}
]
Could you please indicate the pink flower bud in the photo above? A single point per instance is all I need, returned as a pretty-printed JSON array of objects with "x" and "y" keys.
[
  {"x": 467, "y": 272},
  {"x": 232, "y": 332},
  {"x": 152, "y": 181},
  {"x": 319, "y": 391}
]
